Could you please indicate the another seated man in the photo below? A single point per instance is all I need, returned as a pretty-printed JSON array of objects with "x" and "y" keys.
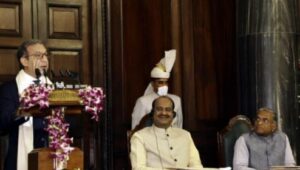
[
  {"x": 264, "y": 147},
  {"x": 162, "y": 146}
]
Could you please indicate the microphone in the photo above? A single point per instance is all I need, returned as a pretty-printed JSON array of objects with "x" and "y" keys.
[
  {"x": 52, "y": 74},
  {"x": 45, "y": 75},
  {"x": 62, "y": 74},
  {"x": 38, "y": 74}
]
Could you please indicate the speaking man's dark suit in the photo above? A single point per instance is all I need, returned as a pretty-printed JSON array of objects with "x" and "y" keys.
[{"x": 9, "y": 123}]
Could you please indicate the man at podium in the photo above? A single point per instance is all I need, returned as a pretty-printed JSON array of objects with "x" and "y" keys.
[{"x": 25, "y": 133}]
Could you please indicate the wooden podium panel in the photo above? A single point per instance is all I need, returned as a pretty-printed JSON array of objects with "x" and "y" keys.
[{"x": 39, "y": 159}]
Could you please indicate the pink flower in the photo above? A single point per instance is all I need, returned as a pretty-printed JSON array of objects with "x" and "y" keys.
[
  {"x": 35, "y": 95},
  {"x": 59, "y": 140},
  {"x": 93, "y": 100}
]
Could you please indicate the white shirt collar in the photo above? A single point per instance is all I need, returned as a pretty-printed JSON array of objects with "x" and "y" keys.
[
  {"x": 24, "y": 80},
  {"x": 162, "y": 130}
]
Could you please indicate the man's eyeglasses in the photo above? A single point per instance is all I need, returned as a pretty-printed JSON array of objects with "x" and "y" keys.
[{"x": 39, "y": 56}]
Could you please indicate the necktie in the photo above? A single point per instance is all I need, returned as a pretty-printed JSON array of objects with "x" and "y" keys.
[{"x": 37, "y": 81}]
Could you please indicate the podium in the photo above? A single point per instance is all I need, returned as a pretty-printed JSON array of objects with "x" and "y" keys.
[{"x": 40, "y": 159}]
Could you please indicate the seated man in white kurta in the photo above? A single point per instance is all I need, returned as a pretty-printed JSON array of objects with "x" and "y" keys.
[
  {"x": 160, "y": 75},
  {"x": 162, "y": 146}
]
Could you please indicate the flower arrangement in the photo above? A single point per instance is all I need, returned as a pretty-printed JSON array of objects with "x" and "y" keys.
[
  {"x": 59, "y": 142},
  {"x": 35, "y": 95},
  {"x": 93, "y": 100},
  {"x": 58, "y": 135}
]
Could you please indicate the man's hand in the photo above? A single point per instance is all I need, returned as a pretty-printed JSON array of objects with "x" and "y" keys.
[{"x": 21, "y": 112}]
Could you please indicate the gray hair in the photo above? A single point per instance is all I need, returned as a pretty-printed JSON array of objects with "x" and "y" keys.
[{"x": 269, "y": 111}]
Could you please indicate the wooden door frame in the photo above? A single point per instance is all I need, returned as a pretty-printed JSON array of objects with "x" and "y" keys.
[{"x": 101, "y": 76}]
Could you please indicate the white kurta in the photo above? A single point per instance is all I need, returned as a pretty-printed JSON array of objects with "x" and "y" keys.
[
  {"x": 143, "y": 106},
  {"x": 157, "y": 148}
]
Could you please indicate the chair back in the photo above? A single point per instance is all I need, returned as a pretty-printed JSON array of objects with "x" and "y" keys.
[
  {"x": 144, "y": 122},
  {"x": 227, "y": 137}
]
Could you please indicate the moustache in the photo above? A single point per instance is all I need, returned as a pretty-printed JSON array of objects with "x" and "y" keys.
[{"x": 163, "y": 116}]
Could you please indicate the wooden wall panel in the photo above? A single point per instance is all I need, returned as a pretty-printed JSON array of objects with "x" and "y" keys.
[
  {"x": 14, "y": 29},
  {"x": 65, "y": 28},
  {"x": 65, "y": 60},
  {"x": 64, "y": 22},
  {"x": 9, "y": 14},
  {"x": 9, "y": 65},
  {"x": 13, "y": 33},
  {"x": 8, "y": 62}
]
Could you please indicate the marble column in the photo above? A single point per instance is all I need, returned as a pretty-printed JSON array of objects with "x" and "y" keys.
[{"x": 268, "y": 43}]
